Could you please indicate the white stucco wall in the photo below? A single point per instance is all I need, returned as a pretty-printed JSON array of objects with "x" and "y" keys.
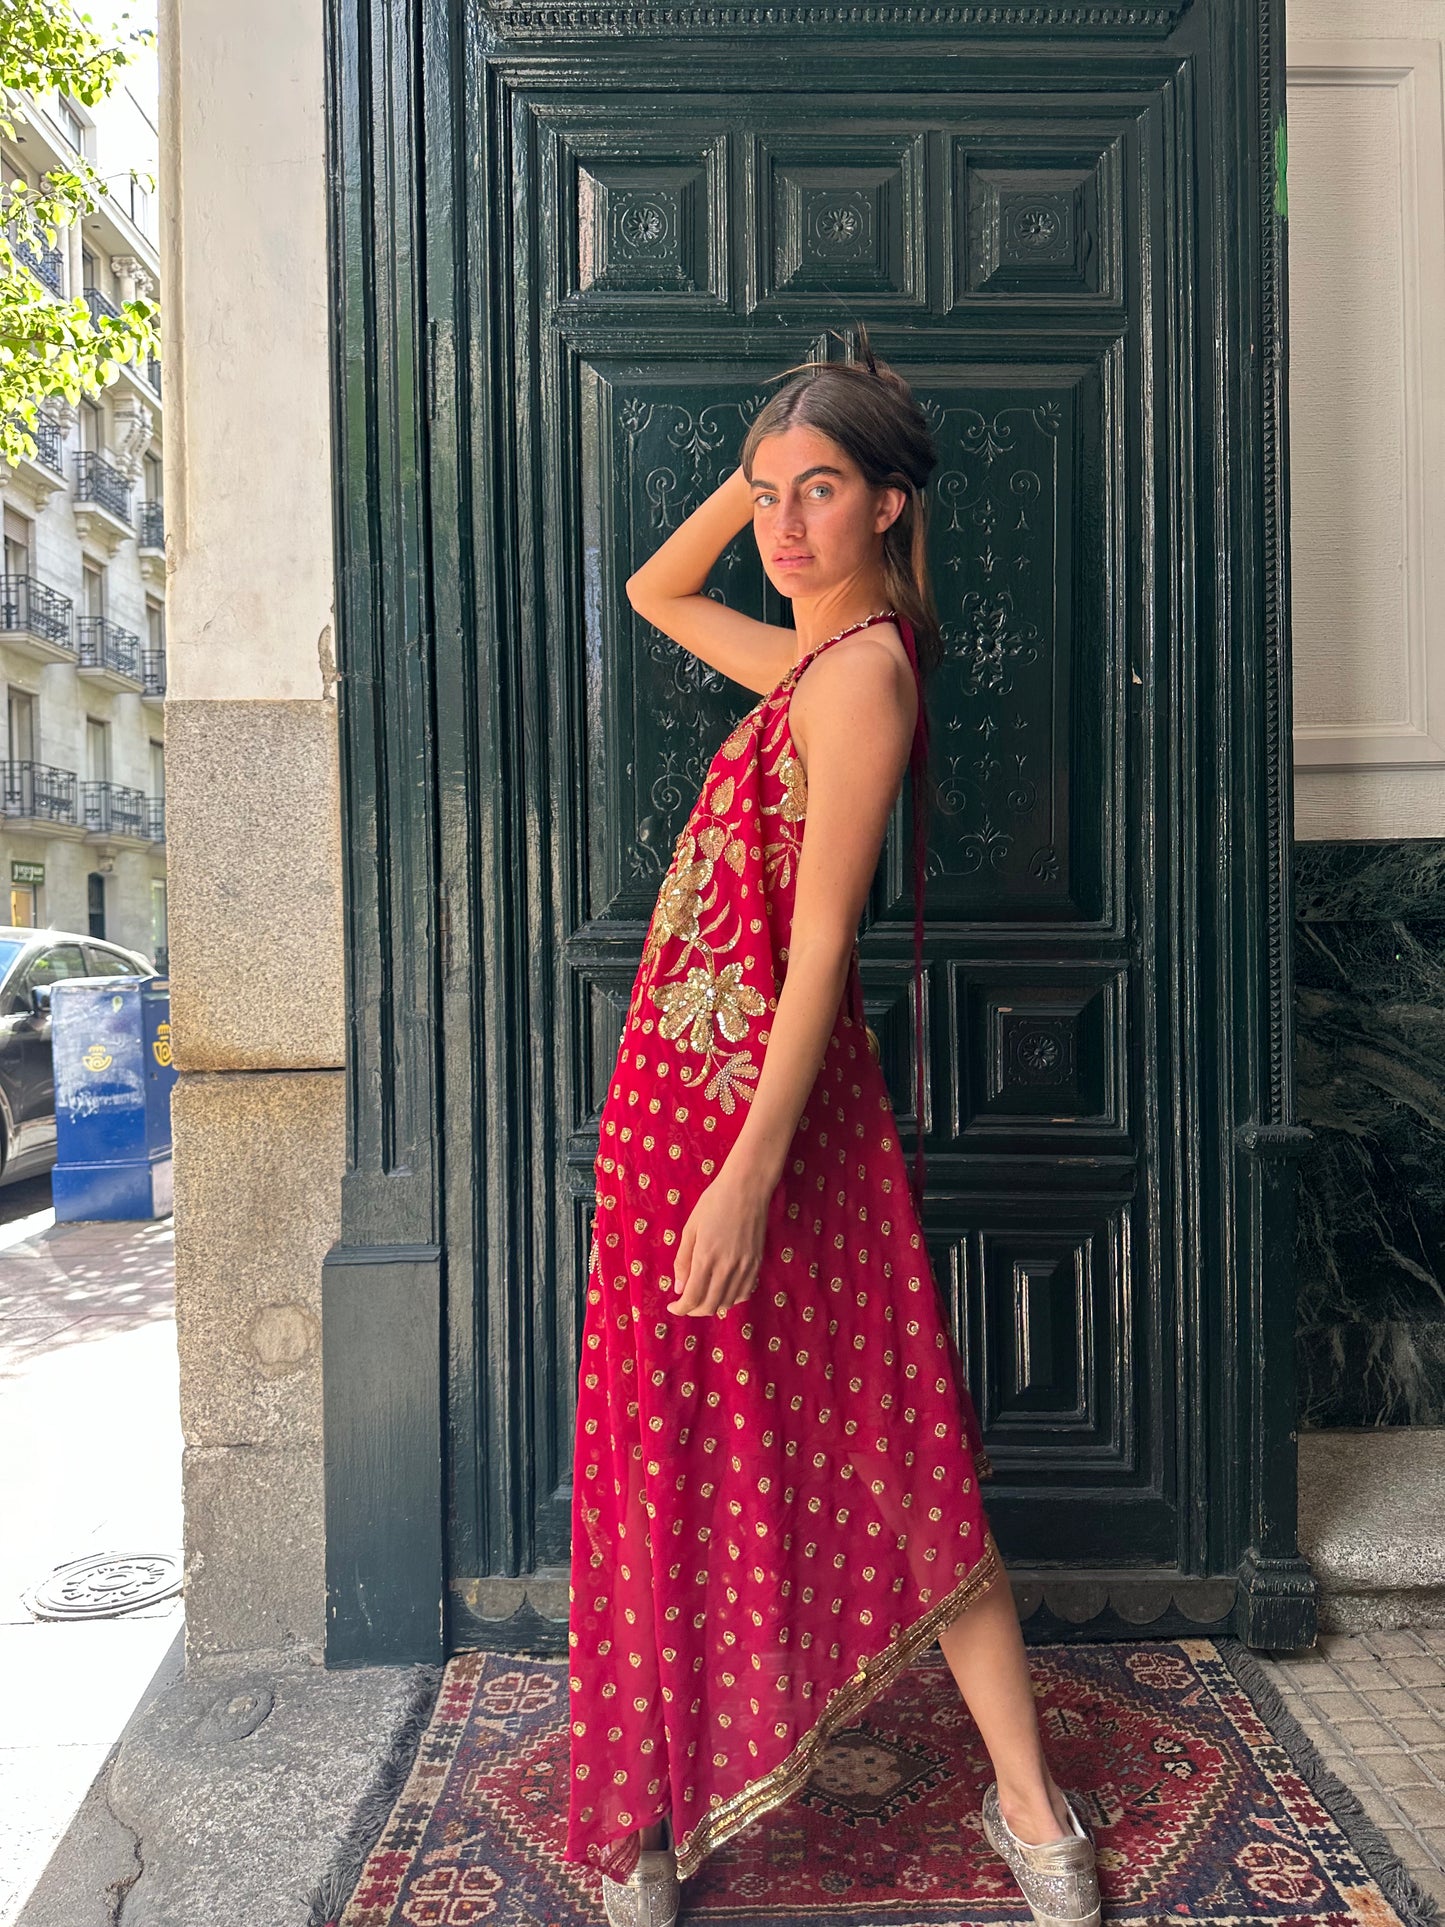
[
  {"x": 1366, "y": 182},
  {"x": 248, "y": 488}
]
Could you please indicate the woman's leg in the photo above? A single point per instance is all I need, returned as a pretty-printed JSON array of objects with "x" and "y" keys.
[{"x": 984, "y": 1648}]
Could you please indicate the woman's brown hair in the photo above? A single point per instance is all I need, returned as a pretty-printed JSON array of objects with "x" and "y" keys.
[{"x": 868, "y": 409}]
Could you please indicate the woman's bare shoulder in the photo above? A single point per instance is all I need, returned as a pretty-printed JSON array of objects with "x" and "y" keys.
[{"x": 863, "y": 677}]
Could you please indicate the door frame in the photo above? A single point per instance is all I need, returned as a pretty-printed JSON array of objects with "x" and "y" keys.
[{"x": 411, "y": 410}]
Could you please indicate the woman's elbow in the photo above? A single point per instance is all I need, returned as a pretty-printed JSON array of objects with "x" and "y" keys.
[{"x": 637, "y": 593}]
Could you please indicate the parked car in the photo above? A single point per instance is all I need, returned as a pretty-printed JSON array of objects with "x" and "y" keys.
[{"x": 31, "y": 962}]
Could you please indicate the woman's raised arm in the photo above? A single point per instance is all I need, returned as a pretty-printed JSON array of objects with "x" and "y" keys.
[{"x": 667, "y": 592}]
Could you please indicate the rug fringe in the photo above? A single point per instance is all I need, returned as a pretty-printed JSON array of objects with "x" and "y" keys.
[
  {"x": 1415, "y": 1907},
  {"x": 369, "y": 1816}
]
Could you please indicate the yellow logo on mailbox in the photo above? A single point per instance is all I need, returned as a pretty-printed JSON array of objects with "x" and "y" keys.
[
  {"x": 97, "y": 1058},
  {"x": 162, "y": 1044}
]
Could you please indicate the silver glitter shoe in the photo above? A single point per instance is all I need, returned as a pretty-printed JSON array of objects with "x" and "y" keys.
[
  {"x": 1058, "y": 1878},
  {"x": 648, "y": 1897}
]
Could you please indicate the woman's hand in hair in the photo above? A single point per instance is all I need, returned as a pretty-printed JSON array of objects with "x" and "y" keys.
[{"x": 667, "y": 591}]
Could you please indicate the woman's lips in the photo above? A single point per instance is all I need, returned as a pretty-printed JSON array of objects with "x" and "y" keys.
[{"x": 790, "y": 561}]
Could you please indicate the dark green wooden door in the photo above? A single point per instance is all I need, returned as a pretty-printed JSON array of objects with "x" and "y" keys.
[{"x": 635, "y": 216}]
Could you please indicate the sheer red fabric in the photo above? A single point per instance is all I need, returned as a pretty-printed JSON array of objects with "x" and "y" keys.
[{"x": 774, "y": 1511}]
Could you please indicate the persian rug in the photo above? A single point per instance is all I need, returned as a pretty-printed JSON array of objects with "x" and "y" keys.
[{"x": 1208, "y": 1801}]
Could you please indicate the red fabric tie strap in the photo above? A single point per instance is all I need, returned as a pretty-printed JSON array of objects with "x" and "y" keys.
[{"x": 918, "y": 769}]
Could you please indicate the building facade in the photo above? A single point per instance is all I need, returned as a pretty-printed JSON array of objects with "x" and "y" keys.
[
  {"x": 341, "y": 1191},
  {"x": 82, "y": 594}
]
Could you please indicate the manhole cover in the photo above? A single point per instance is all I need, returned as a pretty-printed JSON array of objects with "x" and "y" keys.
[{"x": 104, "y": 1585}]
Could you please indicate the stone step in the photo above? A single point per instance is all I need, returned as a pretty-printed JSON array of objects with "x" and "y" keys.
[{"x": 1372, "y": 1525}]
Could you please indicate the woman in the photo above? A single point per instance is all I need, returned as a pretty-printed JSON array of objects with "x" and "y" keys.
[{"x": 776, "y": 1498}]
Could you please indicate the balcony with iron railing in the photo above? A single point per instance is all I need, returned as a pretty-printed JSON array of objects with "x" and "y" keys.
[
  {"x": 151, "y": 525},
  {"x": 101, "y": 482},
  {"x": 107, "y": 653},
  {"x": 35, "y": 619},
  {"x": 153, "y": 373},
  {"x": 153, "y": 675},
  {"x": 49, "y": 444},
  {"x": 42, "y": 473},
  {"x": 44, "y": 263},
  {"x": 101, "y": 304},
  {"x": 156, "y": 818},
  {"x": 38, "y": 792},
  {"x": 102, "y": 501},
  {"x": 110, "y": 810}
]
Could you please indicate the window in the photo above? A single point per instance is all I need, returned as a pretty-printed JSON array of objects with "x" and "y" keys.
[
  {"x": 159, "y": 948},
  {"x": 108, "y": 963},
  {"x": 158, "y": 768},
  {"x": 71, "y": 123},
  {"x": 18, "y": 531},
  {"x": 95, "y": 903},
  {"x": 52, "y": 966},
  {"x": 97, "y": 759},
  {"x": 21, "y": 733},
  {"x": 156, "y": 624},
  {"x": 90, "y": 416},
  {"x": 140, "y": 205},
  {"x": 154, "y": 479},
  {"x": 94, "y": 590}
]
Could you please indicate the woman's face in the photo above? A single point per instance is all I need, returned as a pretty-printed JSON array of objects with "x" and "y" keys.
[{"x": 817, "y": 521}]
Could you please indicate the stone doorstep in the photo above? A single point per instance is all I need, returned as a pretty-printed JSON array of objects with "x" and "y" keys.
[
  {"x": 1371, "y": 1504},
  {"x": 223, "y": 1798}
]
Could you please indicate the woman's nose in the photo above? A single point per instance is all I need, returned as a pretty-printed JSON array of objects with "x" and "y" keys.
[{"x": 790, "y": 515}]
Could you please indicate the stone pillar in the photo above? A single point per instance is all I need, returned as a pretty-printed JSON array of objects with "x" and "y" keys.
[{"x": 253, "y": 815}]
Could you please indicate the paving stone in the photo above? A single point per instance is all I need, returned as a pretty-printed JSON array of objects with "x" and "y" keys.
[
  {"x": 1434, "y": 1884},
  {"x": 1380, "y": 1806},
  {"x": 1432, "y": 1697},
  {"x": 1410, "y": 1849},
  {"x": 1368, "y": 1736},
  {"x": 1304, "y": 1662},
  {"x": 1383, "y": 1644},
  {"x": 1425, "y": 1806},
  {"x": 1397, "y": 1770},
  {"x": 1354, "y": 1712},
  {"x": 1419, "y": 1730},
  {"x": 1337, "y": 1645},
  {"x": 1361, "y": 1674},
  {"x": 1434, "y": 1839},
  {"x": 1394, "y": 1702},
  {"x": 1419, "y": 1669}
]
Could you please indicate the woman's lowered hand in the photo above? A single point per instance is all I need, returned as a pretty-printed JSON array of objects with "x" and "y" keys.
[{"x": 720, "y": 1251}]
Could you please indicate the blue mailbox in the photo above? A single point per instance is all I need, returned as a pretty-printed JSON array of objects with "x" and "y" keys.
[{"x": 111, "y": 1046}]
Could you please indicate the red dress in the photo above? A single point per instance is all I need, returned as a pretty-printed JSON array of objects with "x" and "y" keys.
[{"x": 775, "y": 1511}]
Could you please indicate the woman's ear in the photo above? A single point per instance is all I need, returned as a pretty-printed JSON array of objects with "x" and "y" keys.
[{"x": 891, "y": 503}]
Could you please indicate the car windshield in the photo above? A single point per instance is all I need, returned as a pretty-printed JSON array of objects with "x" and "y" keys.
[{"x": 9, "y": 951}]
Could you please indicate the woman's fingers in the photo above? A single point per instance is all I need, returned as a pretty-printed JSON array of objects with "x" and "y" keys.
[{"x": 710, "y": 1291}]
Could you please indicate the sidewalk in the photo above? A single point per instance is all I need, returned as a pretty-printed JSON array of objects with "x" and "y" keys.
[
  {"x": 91, "y": 1444},
  {"x": 224, "y": 1797}
]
